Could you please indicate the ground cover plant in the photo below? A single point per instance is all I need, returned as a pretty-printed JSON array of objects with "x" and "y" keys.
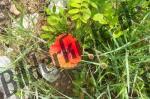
[{"x": 115, "y": 40}]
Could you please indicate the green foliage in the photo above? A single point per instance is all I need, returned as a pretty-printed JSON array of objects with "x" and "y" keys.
[
  {"x": 56, "y": 23},
  {"x": 100, "y": 18},
  {"x": 80, "y": 11},
  {"x": 116, "y": 33}
]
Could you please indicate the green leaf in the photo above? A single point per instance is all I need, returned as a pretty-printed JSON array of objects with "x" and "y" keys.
[
  {"x": 45, "y": 28},
  {"x": 53, "y": 20},
  {"x": 75, "y": 17},
  {"x": 51, "y": 29},
  {"x": 76, "y": 1},
  {"x": 45, "y": 36},
  {"x": 117, "y": 34},
  {"x": 100, "y": 18},
  {"x": 73, "y": 11},
  {"x": 86, "y": 11},
  {"x": 85, "y": 18},
  {"x": 93, "y": 81},
  {"x": 61, "y": 11},
  {"x": 78, "y": 24},
  {"x": 85, "y": 1},
  {"x": 54, "y": 8},
  {"x": 93, "y": 4},
  {"x": 48, "y": 11},
  {"x": 86, "y": 15},
  {"x": 85, "y": 5},
  {"x": 76, "y": 5},
  {"x": 48, "y": 29}
]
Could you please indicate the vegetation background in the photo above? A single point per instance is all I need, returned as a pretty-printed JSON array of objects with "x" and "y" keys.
[{"x": 114, "y": 35}]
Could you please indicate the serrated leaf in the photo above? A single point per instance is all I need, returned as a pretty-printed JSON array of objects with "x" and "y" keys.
[
  {"x": 73, "y": 11},
  {"x": 100, "y": 18}
]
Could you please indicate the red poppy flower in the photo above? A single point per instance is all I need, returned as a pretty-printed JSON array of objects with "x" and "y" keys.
[{"x": 65, "y": 52}]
